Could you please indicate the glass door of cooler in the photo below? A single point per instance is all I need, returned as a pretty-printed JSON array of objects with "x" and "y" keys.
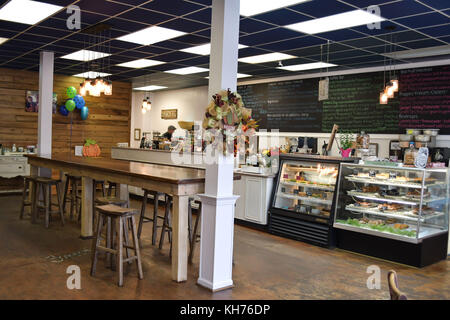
[{"x": 306, "y": 187}]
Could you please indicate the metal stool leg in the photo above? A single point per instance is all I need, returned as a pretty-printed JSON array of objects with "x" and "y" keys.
[
  {"x": 61, "y": 210},
  {"x": 141, "y": 219},
  {"x": 119, "y": 254},
  {"x": 95, "y": 244},
  {"x": 136, "y": 248},
  {"x": 155, "y": 217}
]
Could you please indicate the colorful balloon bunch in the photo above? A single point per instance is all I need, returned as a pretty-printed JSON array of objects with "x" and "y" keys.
[{"x": 75, "y": 101}]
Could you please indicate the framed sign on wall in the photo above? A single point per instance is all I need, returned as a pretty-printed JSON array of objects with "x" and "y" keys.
[
  {"x": 169, "y": 114},
  {"x": 137, "y": 134}
]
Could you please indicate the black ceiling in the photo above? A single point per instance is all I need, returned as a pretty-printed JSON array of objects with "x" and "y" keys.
[{"x": 419, "y": 24}]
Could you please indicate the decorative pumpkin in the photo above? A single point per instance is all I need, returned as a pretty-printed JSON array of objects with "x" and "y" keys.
[{"x": 91, "y": 149}]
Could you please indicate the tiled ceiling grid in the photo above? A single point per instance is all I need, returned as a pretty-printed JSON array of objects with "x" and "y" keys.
[{"x": 419, "y": 24}]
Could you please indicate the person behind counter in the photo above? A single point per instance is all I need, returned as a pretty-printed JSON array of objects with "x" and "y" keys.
[{"x": 168, "y": 134}]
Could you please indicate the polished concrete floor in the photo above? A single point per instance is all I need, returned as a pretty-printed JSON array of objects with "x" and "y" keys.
[{"x": 33, "y": 264}]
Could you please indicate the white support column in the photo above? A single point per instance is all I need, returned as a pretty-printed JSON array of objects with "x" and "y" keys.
[
  {"x": 45, "y": 107},
  {"x": 217, "y": 224}
]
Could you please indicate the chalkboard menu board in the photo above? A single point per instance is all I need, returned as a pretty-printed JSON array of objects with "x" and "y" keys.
[{"x": 423, "y": 101}]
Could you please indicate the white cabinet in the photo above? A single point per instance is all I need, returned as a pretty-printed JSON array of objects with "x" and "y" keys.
[
  {"x": 253, "y": 203},
  {"x": 13, "y": 166}
]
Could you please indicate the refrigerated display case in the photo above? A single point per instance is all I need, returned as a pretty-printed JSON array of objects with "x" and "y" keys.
[
  {"x": 394, "y": 213},
  {"x": 303, "y": 198}
]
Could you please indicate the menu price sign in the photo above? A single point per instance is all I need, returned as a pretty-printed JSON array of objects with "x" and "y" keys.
[{"x": 425, "y": 98}]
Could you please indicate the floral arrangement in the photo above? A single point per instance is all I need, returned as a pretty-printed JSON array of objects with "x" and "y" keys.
[
  {"x": 227, "y": 115},
  {"x": 226, "y": 112}
]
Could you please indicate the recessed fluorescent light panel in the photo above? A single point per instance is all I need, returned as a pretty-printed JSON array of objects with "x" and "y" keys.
[
  {"x": 151, "y": 35},
  {"x": 275, "y": 56},
  {"x": 239, "y": 75},
  {"x": 204, "y": 49},
  {"x": 308, "y": 66},
  {"x": 336, "y": 22},
  {"x": 420, "y": 53},
  {"x": 27, "y": 12},
  {"x": 187, "y": 70},
  {"x": 141, "y": 63},
  {"x": 252, "y": 7},
  {"x": 85, "y": 55},
  {"x": 150, "y": 88},
  {"x": 91, "y": 74},
  {"x": 2, "y": 40}
]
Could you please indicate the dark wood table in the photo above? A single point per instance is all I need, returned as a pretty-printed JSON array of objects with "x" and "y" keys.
[{"x": 176, "y": 181}]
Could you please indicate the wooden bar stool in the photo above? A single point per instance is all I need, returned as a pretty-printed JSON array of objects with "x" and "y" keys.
[
  {"x": 192, "y": 232},
  {"x": 143, "y": 219},
  {"x": 102, "y": 185},
  {"x": 95, "y": 183},
  {"x": 112, "y": 185},
  {"x": 45, "y": 185},
  {"x": 194, "y": 235},
  {"x": 120, "y": 218},
  {"x": 114, "y": 201},
  {"x": 74, "y": 198},
  {"x": 28, "y": 185}
]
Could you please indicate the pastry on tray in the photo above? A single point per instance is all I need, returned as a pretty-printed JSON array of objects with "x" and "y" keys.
[
  {"x": 364, "y": 204},
  {"x": 401, "y": 179},
  {"x": 377, "y": 222},
  {"x": 370, "y": 189},
  {"x": 383, "y": 175},
  {"x": 416, "y": 193},
  {"x": 363, "y": 175},
  {"x": 401, "y": 226}
]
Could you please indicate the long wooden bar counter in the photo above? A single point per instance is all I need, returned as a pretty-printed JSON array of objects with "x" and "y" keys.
[{"x": 176, "y": 181}]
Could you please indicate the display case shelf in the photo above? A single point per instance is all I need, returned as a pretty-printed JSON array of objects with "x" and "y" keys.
[
  {"x": 401, "y": 199},
  {"x": 400, "y": 215},
  {"x": 308, "y": 199},
  {"x": 307, "y": 185},
  {"x": 387, "y": 182}
]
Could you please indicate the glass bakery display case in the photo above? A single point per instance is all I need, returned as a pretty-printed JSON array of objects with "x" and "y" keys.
[
  {"x": 404, "y": 205},
  {"x": 304, "y": 196}
]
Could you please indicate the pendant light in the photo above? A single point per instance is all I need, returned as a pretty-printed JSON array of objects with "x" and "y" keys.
[{"x": 100, "y": 43}]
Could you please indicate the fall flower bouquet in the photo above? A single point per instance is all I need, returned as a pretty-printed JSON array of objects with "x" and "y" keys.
[{"x": 226, "y": 115}]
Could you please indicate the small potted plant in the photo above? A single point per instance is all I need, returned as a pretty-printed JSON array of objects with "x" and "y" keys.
[{"x": 346, "y": 143}]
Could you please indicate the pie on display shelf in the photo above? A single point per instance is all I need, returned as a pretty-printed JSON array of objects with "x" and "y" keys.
[{"x": 393, "y": 213}]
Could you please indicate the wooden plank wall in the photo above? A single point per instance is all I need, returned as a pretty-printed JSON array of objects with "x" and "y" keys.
[{"x": 108, "y": 122}]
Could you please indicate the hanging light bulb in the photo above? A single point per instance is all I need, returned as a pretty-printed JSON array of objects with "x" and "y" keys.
[
  {"x": 82, "y": 89},
  {"x": 108, "y": 88},
  {"x": 143, "y": 110},
  {"x": 394, "y": 84},
  {"x": 390, "y": 92},
  {"x": 95, "y": 90},
  {"x": 144, "y": 104},
  {"x": 149, "y": 104},
  {"x": 383, "y": 98}
]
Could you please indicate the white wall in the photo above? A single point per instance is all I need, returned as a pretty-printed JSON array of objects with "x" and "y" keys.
[{"x": 191, "y": 104}]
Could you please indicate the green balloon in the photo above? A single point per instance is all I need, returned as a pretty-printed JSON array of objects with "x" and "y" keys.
[
  {"x": 70, "y": 105},
  {"x": 71, "y": 92}
]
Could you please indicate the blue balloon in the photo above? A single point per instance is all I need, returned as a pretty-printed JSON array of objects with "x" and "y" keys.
[
  {"x": 63, "y": 110},
  {"x": 79, "y": 101},
  {"x": 84, "y": 113}
]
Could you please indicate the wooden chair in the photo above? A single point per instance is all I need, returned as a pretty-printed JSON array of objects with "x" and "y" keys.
[
  {"x": 394, "y": 291},
  {"x": 29, "y": 183},
  {"x": 120, "y": 217},
  {"x": 143, "y": 219},
  {"x": 45, "y": 185}
]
